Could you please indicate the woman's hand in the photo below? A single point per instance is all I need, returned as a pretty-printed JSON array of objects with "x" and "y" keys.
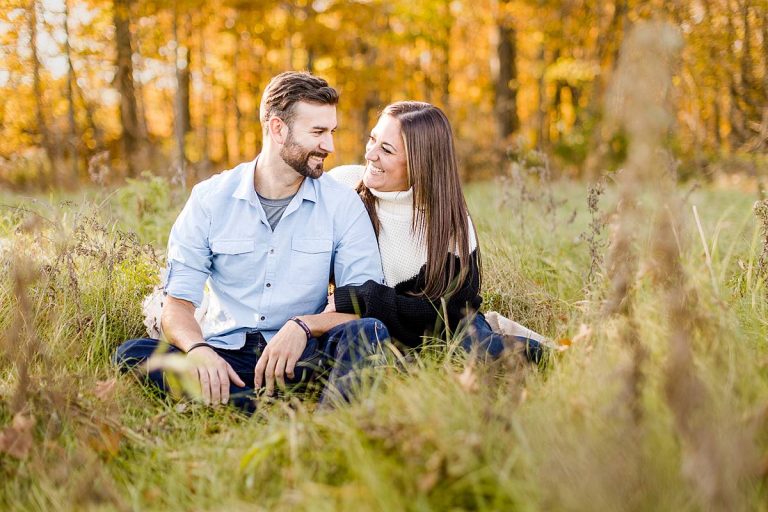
[{"x": 331, "y": 307}]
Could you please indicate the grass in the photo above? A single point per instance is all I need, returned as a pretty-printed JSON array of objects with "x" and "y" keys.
[{"x": 443, "y": 433}]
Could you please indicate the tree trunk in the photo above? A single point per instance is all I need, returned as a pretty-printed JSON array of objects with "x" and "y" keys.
[
  {"x": 753, "y": 95},
  {"x": 141, "y": 100},
  {"x": 746, "y": 55},
  {"x": 42, "y": 127},
  {"x": 607, "y": 50},
  {"x": 311, "y": 59},
  {"x": 239, "y": 135},
  {"x": 607, "y": 53},
  {"x": 225, "y": 155},
  {"x": 717, "y": 121},
  {"x": 428, "y": 87},
  {"x": 73, "y": 137},
  {"x": 372, "y": 98},
  {"x": 98, "y": 133},
  {"x": 184, "y": 77},
  {"x": 310, "y": 19},
  {"x": 736, "y": 115},
  {"x": 765, "y": 55},
  {"x": 131, "y": 139},
  {"x": 557, "y": 103},
  {"x": 181, "y": 117},
  {"x": 575, "y": 100},
  {"x": 712, "y": 52},
  {"x": 505, "y": 105},
  {"x": 205, "y": 103},
  {"x": 542, "y": 110},
  {"x": 445, "y": 58}
]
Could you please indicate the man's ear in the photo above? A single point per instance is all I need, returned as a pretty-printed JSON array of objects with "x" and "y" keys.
[{"x": 278, "y": 130}]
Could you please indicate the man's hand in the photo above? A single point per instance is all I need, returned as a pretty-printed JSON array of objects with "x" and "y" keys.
[
  {"x": 280, "y": 357},
  {"x": 214, "y": 374}
]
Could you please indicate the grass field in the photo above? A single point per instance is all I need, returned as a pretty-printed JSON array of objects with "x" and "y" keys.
[{"x": 606, "y": 424}]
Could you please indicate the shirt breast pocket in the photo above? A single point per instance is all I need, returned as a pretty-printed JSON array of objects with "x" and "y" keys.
[
  {"x": 310, "y": 261},
  {"x": 233, "y": 259}
]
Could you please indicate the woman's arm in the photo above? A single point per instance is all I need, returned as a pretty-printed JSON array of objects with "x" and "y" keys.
[{"x": 408, "y": 317}]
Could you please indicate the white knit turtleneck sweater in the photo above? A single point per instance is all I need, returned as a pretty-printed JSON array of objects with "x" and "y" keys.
[{"x": 403, "y": 252}]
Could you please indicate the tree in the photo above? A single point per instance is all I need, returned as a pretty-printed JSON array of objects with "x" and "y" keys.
[
  {"x": 131, "y": 137},
  {"x": 182, "y": 125},
  {"x": 505, "y": 105},
  {"x": 72, "y": 139},
  {"x": 42, "y": 126}
]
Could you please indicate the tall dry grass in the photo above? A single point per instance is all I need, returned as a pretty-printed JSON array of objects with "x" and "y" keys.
[{"x": 658, "y": 401}]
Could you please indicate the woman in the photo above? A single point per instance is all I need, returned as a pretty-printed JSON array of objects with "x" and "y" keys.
[{"x": 431, "y": 260}]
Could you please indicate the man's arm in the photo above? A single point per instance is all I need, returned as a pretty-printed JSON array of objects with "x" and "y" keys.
[
  {"x": 189, "y": 261},
  {"x": 279, "y": 359},
  {"x": 356, "y": 260},
  {"x": 321, "y": 323},
  {"x": 182, "y": 331},
  {"x": 179, "y": 324}
]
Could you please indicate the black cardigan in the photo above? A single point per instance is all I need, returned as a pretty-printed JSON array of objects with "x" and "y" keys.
[{"x": 409, "y": 317}]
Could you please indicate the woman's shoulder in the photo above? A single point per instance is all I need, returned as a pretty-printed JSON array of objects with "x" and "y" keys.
[{"x": 349, "y": 175}]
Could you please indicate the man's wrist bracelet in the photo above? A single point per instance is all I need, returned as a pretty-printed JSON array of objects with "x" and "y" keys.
[
  {"x": 197, "y": 345},
  {"x": 303, "y": 325}
]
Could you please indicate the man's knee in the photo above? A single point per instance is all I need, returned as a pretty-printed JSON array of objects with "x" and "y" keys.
[{"x": 134, "y": 352}]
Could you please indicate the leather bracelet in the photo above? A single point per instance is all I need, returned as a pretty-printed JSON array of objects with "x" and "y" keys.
[
  {"x": 302, "y": 325},
  {"x": 198, "y": 345}
]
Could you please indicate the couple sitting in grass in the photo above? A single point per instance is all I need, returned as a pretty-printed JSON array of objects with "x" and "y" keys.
[{"x": 394, "y": 236}]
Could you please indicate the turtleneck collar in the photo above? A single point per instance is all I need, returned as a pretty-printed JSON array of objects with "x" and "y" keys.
[
  {"x": 396, "y": 196},
  {"x": 398, "y": 203}
]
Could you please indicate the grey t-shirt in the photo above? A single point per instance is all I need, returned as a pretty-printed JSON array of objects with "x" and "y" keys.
[{"x": 274, "y": 208}]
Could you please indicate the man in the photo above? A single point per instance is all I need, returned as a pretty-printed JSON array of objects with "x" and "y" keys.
[{"x": 266, "y": 237}]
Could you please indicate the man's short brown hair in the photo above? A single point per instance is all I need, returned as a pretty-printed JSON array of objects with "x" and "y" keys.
[{"x": 287, "y": 89}]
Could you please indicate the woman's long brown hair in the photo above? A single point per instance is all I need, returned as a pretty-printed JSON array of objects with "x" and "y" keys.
[{"x": 440, "y": 211}]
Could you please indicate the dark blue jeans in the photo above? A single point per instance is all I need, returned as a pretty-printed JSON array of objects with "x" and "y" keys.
[
  {"x": 338, "y": 353},
  {"x": 479, "y": 336}
]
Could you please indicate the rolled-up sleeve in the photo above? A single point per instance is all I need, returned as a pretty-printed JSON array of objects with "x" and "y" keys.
[
  {"x": 189, "y": 253},
  {"x": 357, "y": 258}
]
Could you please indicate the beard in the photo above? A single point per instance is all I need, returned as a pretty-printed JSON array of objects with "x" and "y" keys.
[{"x": 298, "y": 157}]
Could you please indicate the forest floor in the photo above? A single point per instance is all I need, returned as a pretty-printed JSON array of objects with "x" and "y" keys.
[{"x": 623, "y": 416}]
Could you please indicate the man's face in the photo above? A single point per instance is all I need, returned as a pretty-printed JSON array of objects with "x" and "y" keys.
[{"x": 310, "y": 138}]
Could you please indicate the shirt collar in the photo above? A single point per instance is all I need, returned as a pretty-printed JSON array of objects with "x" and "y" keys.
[{"x": 245, "y": 190}]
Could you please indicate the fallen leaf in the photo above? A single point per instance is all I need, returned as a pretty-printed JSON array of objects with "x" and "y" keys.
[
  {"x": 16, "y": 440},
  {"x": 105, "y": 440}
]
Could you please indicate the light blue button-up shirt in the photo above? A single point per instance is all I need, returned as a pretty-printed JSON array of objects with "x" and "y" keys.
[{"x": 258, "y": 278}]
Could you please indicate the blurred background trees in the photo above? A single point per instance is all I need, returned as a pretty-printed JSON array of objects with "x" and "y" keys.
[{"x": 97, "y": 90}]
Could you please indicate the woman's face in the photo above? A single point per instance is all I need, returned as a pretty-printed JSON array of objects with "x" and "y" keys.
[{"x": 386, "y": 169}]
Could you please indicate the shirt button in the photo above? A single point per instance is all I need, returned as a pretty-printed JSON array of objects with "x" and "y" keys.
[
  {"x": 271, "y": 251},
  {"x": 263, "y": 318},
  {"x": 269, "y": 284}
]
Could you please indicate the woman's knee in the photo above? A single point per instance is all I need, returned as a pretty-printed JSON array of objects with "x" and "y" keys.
[
  {"x": 361, "y": 336},
  {"x": 371, "y": 332}
]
